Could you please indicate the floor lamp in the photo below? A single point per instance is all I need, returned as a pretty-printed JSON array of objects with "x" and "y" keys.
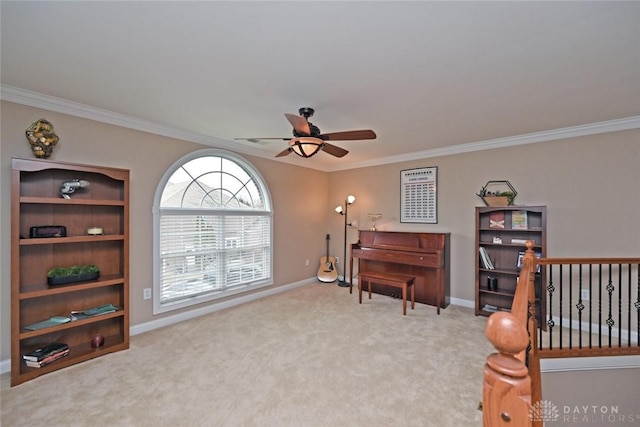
[{"x": 348, "y": 201}]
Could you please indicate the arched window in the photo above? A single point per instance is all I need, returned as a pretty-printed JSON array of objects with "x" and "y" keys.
[{"x": 212, "y": 221}]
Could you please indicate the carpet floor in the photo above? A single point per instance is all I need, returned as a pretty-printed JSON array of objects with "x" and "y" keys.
[{"x": 311, "y": 357}]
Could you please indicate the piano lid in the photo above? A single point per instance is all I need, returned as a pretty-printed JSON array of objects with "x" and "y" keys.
[{"x": 398, "y": 240}]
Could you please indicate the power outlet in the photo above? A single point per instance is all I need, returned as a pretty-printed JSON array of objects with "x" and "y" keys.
[
  {"x": 585, "y": 294},
  {"x": 146, "y": 293},
  {"x": 337, "y": 260}
]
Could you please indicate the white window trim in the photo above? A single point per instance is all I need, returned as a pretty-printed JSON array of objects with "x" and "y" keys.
[{"x": 159, "y": 308}]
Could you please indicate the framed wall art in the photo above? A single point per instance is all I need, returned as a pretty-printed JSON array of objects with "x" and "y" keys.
[{"x": 419, "y": 195}]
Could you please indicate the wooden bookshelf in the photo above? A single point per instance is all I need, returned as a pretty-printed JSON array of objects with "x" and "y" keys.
[
  {"x": 503, "y": 246},
  {"x": 36, "y": 201}
]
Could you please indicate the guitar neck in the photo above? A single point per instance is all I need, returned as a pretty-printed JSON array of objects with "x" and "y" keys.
[{"x": 328, "y": 238}]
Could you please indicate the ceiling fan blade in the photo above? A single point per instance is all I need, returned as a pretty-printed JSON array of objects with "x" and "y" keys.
[
  {"x": 350, "y": 135},
  {"x": 299, "y": 123},
  {"x": 334, "y": 150},
  {"x": 260, "y": 139},
  {"x": 284, "y": 153}
]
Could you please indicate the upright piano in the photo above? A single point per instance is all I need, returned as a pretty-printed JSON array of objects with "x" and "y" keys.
[{"x": 423, "y": 255}]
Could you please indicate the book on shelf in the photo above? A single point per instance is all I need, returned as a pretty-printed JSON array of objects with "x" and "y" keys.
[
  {"x": 494, "y": 309},
  {"x": 519, "y": 241},
  {"x": 94, "y": 311},
  {"x": 52, "y": 321},
  {"x": 485, "y": 260},
  {"x": 47, "y": 360},
  {"x": 496, "y": 219},
  {"x": 519, "y": 220},
  {"x": 44, "y": 352}
]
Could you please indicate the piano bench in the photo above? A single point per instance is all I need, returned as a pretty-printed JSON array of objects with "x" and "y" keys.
[{"x": 402, "y": 281}]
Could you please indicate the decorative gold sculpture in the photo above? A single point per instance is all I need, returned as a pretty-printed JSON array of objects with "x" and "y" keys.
[{"x": 42, "y": 138}]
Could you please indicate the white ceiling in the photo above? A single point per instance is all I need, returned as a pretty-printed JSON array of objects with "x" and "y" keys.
[{"x": 427, "y": 77}]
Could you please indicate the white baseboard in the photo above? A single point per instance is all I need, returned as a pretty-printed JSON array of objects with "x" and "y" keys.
[
  {"x": 585, "y": 327},
  {"x": 462, "y": 302},
  {"x": 589, "y": 363},
  {"x": 546, "y": 365},
  {"x": 5, "y": 365},
  {"x": 212, "y": 308}
]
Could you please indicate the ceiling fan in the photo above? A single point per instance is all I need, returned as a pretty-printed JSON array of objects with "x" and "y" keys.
[{"x": 308, "y": 140}]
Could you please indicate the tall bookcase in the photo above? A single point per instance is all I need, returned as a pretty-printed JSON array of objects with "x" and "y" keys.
[
  {"x": 501, "y": 232},
  {"x": 36, "y": 202}
]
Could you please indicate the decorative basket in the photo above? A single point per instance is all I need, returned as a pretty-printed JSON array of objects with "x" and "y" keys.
[
  {"x": 496, "y": 200},
  {"x": 497, "y": 193}
]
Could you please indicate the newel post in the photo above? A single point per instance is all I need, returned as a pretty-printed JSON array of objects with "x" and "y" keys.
[{"x": 506, "y": 391}]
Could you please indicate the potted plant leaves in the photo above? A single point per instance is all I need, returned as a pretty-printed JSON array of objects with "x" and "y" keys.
[{"x": 72, "y": 274}]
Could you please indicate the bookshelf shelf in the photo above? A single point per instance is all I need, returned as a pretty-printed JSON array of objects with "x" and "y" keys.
[
  {"x": 500, "y": 224},
  {"x": 36, "y": 201},
  {"x": 486, "y": 291}
]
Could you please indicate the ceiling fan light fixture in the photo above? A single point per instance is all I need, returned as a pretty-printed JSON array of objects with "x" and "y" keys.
[{"x": 305, "y": 146}]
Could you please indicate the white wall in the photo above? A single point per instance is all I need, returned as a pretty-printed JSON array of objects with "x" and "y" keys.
[
  {"x": 589, "y": 185},
  {"x": 299, "y": 208}
]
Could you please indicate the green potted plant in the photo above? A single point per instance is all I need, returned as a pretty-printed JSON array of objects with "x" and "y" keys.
[{"x": 72, "y": 274}]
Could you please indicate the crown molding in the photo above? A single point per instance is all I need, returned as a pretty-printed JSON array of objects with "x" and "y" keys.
[
  {"x": 64, "y": 106},
  {"x": 59, "y": 105},
  {"x": 511, "y": 141}
]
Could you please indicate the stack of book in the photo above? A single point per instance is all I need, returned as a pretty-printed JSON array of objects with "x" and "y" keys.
[
  {"x": 45, "y": 355},
  {"x": 494, "y": 309}
]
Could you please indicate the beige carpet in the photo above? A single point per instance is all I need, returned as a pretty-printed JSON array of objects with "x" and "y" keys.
[{"x": 308, "y": 357}]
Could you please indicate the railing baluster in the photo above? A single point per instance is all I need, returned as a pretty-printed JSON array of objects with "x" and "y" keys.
[
  {"x": 550, "y": 290},
  {"x": 630, "y": 268},
  {"x": 637, "y": 305},
  {"x": 590, "y": 305},
  {"x": 560, "y": 303},
  {"x": 600, "y": 306},
  {"x": 542, "y": 319},
  {"x": 619, "y": 305},
  {"x": 570, "y": 302},
  {"x": 580, "y": 306},
  {"x": 610, "y": 289}
]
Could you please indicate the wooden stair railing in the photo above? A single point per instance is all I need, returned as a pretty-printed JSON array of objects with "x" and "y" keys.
[
  {"x": 512, "y": 376},
  {"x": 606, "y": 324},
  {"x": 593, "y": 307},
  {"x": 506, "y": 392}
]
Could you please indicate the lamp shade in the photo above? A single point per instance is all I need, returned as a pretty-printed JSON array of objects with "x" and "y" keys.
[
  {"x": 351, "y": 199},
  {"x": 305, "y": 146},
  {"x": 339, "y": 210}
]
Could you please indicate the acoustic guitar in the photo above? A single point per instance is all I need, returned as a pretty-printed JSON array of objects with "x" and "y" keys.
[{"x": 327, "y": 271}]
